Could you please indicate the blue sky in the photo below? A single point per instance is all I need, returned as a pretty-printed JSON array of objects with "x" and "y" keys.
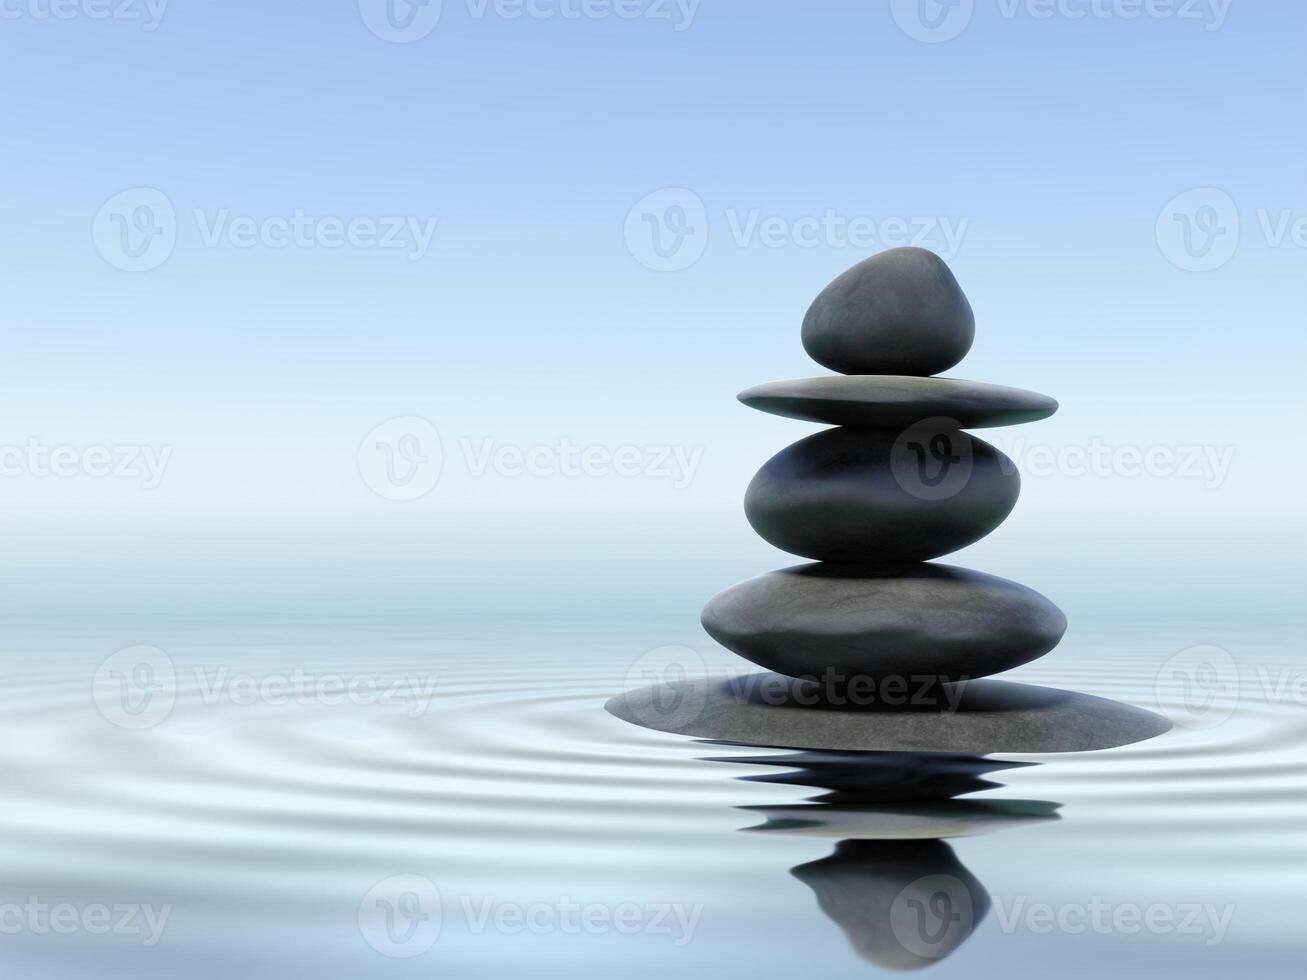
[{"x": 1050, "y": 146}]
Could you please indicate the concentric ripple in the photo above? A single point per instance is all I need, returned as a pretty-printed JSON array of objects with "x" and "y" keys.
[{"x": 492, "y": 765}]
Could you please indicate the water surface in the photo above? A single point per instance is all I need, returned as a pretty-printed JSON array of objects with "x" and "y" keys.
[{"x": 364, "y": 735}]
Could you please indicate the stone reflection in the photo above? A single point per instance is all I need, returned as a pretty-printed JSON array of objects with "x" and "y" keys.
[
  {"x": 902, "y": 904},
  {"x": 895, "y": 888}
]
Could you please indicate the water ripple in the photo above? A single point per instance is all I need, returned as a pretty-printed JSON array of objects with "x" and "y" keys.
[{"x": 508, "y": 753}]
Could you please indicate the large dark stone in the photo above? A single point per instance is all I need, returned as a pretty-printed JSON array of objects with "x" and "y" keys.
[
  {"x": 873, "y": 495},
  {"x": 883, "y": 401},
  {"x": 883, "y": 623},
  {"x": 899, "y": 312},
  {"x": 981, "y": 717}
]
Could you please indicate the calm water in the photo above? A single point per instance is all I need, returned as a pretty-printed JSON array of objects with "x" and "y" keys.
[{"x": 381, "y": 751}]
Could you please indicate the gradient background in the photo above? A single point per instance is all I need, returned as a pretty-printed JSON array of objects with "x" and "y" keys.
[
  {"x": 1058, "y": 141},
  {"x": 1061, "y": 144}
]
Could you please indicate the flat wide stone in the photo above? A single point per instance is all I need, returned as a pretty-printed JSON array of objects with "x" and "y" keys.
[
  {"x": 980, "y": 717},
  {"x": 897, "y": 401}
]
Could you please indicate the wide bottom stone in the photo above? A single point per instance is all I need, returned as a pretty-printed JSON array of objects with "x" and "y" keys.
[{"x": 979, "y": 716}]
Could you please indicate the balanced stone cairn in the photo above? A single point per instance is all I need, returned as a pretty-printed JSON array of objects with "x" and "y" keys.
[
  {"x": 896, "y": 484},
  {"x": 880, "y": 647}
]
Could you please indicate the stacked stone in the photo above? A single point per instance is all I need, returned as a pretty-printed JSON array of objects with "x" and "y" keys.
[{"x": 896, "y": 483}]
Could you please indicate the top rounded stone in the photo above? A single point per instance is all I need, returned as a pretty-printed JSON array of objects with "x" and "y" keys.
[{"x": 899, "y": 312}]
